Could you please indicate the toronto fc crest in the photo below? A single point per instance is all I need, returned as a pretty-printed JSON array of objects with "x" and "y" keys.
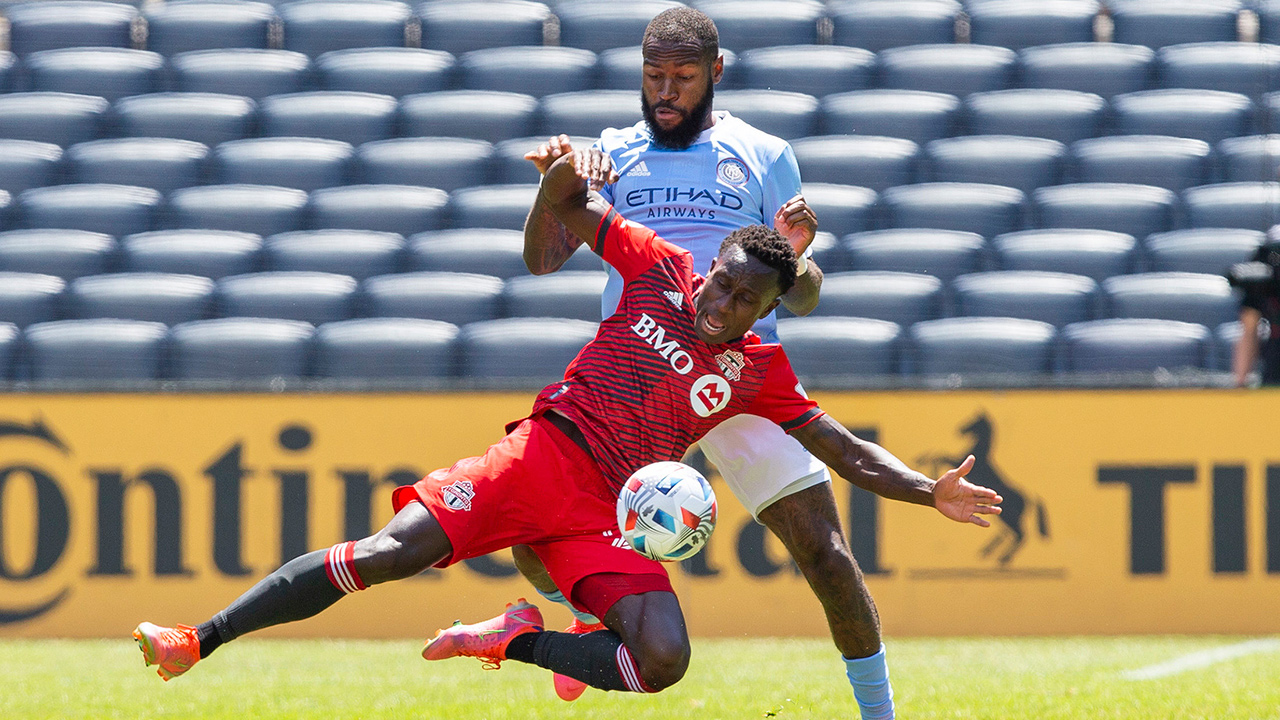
[{"x": 731, "y": 364}]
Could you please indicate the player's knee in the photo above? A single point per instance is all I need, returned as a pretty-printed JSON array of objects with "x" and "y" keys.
[
  {"x": 662, "y": 661},
  {"x": 823, "y": 553}
]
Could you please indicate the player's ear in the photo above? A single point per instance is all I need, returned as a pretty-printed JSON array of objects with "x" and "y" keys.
[
  {"x": 717, "y": 69},
  {"x": 770, "y": 308}
]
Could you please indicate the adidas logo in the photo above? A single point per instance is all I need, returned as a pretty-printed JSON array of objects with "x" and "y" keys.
[
  {"x": 676, "y": 298},
  {"x": 640, "y": 170}
]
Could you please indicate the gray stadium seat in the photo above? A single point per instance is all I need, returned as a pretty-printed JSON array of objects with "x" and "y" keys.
[
  {"x": 1051, "y": 297},
  {"x": 445, "y": 163},
  {"x": 841, "y": 346},
  {"x": 509, "y": 164},
  {"x": 827, "y": 252},
  {"x": 388, "y": 71},
  {"x": 1187, "y": 297},
  {"x": 351, "y": 117},
  {"x": 1134, "y": 345},
  {"x": 153, "y": 297},
  {"x": 27, "y": 298},
  {"x": 1207, "y": 115},
  {"x": 748, "y": 24},
  {"x": 898, "y": 297},
  {"x": 1097, "y": 254},
  {"x": 49, "y": 25},
  {"x": 453, "y": 297},
  {"x": 212, "y": 253},
  {"x": 313, "y": 297},
  {"x": 561, "y": 294},
  {"x": 1255, "y": 158},
  {"x": 59, "y": 118},
  {"x": 1018, "y": 162},
  {"x": 1138, "y": 210},
  {"x": 477, "y": 250},
  {"x": 941, "y": 253},
  {"x": 178, "y": 27},
  {"x": 8, "y": 209},
  {"x": 1253, "y": 205},
  {"x": 202, "y": 117},
  {"x": 812, "y": 69},
  {"x": 25, "y": 164},
  {"x": 1021, "y": 24},
  {"x": 623, "y": 68},
  {"x": 315, "y": 27},
  {"x": 880, "y": 24},
  {"x": 460, "y": 27},
  {"x": 479, "y": 114},
  {"x": 1062, "y": 115},
  {"x": 844, "y": 209},
  {"x": 404, "y": 209},
  {"x": 241, "y": 349},
  {"x": 865, "y": 160},
  {"x": 358, "y": 253},
  {"x": 65, "y": 253},
  {"x": 305, "y": 163},
  {"x": 101, "y": 349},
  {"x": 111, "y": 73},
  {"x": 1174, "y": 22},
  {"x": 956, "y": 69},
  {"x": 1246, "y": 68},
  {"x": 162, "y": 164},
  {"x": 259, "y": 209},
  {"x": 598, "y": 26},
  {"x": 987, "y": 210},
  {"x": 385, "y": 349},
  {"x": 588, "y": 112},
  {"x": 494, "y": 206},
  {"x": 534, "y": 350},
  {"x": 1167, "y": 162},
  {"x": 1201, "y": 250},
  {"x": 788, "y": 115},
  {"x": 531, "y": 69},
  {"x": 978, "y": 345},
  {"x": 9, "y": 75},
  {"x": 1104, "y": 69},
  {"x": 916, "y": 116},
  {"x": 9, "y": 340},
  {"x": 98, "y": 207},
  {"x": 251, "y": 73}
]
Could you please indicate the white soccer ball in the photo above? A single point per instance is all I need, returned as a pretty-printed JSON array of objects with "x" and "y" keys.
[{"x": 666, "y": 511}]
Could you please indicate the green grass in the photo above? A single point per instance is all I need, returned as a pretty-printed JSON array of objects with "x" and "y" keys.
[{"x": 1041, "y": 678}]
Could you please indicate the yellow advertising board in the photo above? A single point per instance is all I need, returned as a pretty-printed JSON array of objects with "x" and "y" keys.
[{"x": 1125, "y": 512}]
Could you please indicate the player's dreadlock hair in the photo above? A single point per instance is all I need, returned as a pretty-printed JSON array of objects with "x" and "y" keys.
[
  {"x": 684, "y": 25},
  {"x": 769, "y": 247}
]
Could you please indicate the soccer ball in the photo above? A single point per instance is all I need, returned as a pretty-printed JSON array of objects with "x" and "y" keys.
[{"x": 666, "y": 511}]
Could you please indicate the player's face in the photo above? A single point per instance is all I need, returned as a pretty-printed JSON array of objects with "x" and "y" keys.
[
  {"x": 676, "y": 92},
  {"x": 739, "y": 290}
]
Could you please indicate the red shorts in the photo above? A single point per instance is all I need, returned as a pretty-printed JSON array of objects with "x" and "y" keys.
[{"x": 537, "y": 487}]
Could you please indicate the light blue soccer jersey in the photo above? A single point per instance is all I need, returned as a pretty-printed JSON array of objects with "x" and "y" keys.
[{"x": 732, "y": 176}]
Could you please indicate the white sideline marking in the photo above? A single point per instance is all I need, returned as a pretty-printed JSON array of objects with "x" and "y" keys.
[{"x": 1203, "y": 658}]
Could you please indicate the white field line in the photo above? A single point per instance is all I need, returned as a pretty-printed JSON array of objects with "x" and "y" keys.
[{"x": 1202, "y": 658}]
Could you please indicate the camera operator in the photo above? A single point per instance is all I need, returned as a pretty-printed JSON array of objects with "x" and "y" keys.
[{"x": 1260, "y": 281}]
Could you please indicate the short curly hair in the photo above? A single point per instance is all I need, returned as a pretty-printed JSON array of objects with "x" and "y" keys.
[
  {"x": 769, "y": 247},
  {"x": 683, "y": 25}
]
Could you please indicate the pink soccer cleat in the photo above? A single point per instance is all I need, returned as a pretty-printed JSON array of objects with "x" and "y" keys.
[
  {"x": 175, "y": 650},
  {"x": 568, "y": 688},
  {"x": 486, "y": 640}
]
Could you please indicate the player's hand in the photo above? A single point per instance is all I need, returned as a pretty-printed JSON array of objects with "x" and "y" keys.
[
  {"x": 961, "y": 500},
  {"x": 595, "y": 167},
  {"x": 797, "y": 222},
  {"x": 549, "y": 151}
]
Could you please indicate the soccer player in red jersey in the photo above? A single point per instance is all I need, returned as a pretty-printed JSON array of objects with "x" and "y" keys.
[{"x": 674, "y": 361}]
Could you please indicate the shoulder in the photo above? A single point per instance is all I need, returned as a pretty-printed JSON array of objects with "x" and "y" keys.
[
  {"x": 734, "y": 129},
  {"x": 621, "y": 139}
]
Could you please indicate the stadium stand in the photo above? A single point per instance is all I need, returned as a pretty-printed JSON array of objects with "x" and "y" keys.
[
  {"x": 1253, "y": 205},
  {"x": 979, "y": 345},
  {"x": 1018, "y": 162},
  {"x": 212, "y": 253},
  {"x": 445, "y": 163},
  {"x": 956, "y": 69},
  {"x": 987, "y": 210},
  {"x": 879, "y": 24},
  {"x": 865, "y": 160},
  {"x": 1207, "y": 115},
  {"x": 52, "y": 25},
  {"x": 1051, "y": 297},
  {"x": 178, "y": 27},
  {"x": 841, "y": 346},
  {"x": 453, "y": 297},
  {"x": 586, "y": 113},
  {"x": 1250, "y": 69},
  {"x": 1103, "y": 69},
  {"x": 534, "y": 70},
  {"x": 914, "y": 115},
  {"x": 788, "y": 115},
  {"x": 358, "y": 253},
  {"x": 25, "y": 164},
  {"x": 1253, "y": 158},
  {"x": 943, "y": 254},
  {"x": 293, "y": 162},
  {"x": 461, "y": 27},
  {"x": 749, "y": 24},
  {"x": 313, "y": 297},
  {"x": 201, "y": 117},
  {"x": 898, "y": 297},
  {"x": 98, "y": 207},
  {"x": 352, "y": 117},
  {"x": 492, "y": 206},
  {"x": 315, "y": 27},
  {"x": 240, "y": 349},
  {"x": 1174, "y": 22},
  {"x": 99, "y": 349},
  {"x": 562, "y": 294},
  {"x": 1137, "y": 210},
  {"x": 394, "y": 71},
  {"x": 521, "y": 348},
  {"x": 1097, "y": 254},
  {"x": 1062, "y": 115},
  {"x": 111, "y": 73},
  {"x": 1143, "y": 345},
  {"x": 1201, "y": 250},
  {"x": 844, "y": 209},
  {"x": 162, "y": 164},
  {"x": 153, "y": 297},
  {"x": 385, "y": 349},
  {"x": 598, "y": 26},
  {"x": 403, "y": 209},
  {"x": 9, "y": 341},
  {"x": 812, "y": 69},
  {"x": 246, "y": 72},
  {"x": 259, "y": 209},
  {"x": 827, "y": 252},
  {"x": 509, "y": 165},
  {"x": 479, "y": 114},
  {"x": 59, "y": 118},
  {"x": 67, "y": 254},
  {"x": 1019, "y": 24},
  {"x": 476, "y": 250},
  {"x": 1187, "y": 297},
  {"x": 1225, "y": 337},
  {"x": 8, "y": 71},
  {"x": 28, "y": 298},
  {"x": 1268, "y": 12},
  {"x": 1167, "y": 162}
]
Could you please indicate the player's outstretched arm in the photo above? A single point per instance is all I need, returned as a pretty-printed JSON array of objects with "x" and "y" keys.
[
  {"x": 547, "y": 244},
  {"x": 568, "y": 191},
  {"x": 873, "y": 468},
  {"x": 798, "y": 223}
]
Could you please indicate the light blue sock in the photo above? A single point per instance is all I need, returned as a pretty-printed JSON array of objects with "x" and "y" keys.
[
  {"x": 869, "y": 677},
  {"x": 558, "y": 597}
]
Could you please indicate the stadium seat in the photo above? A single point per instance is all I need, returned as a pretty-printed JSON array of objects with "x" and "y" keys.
[
  {"x": 1051, "y": 297},
  {"x": 589, "y": 112},
  {"x": 445, "y": 163},
  {"x": 387, "y": 71},
  {"x": 823, "y": 347},
  {"x": 494, "y": 206},
  {"x": 27, "y": 298},
  {"x": 987, "y": 210},
  {"x": 1268, "y": 12},
  {"x": 623, "y": 68},
  {"x": 358, "y": 253},
  {"x": 251, "y": 73},
  {"x": 811, "y": 69},
  {"x": 162, "y": 164},
  {"x": 748, "y": 24},
  {"x": 1246, "y": 68},
  {"x": 532, "y": 350},
  {"x": 1021, "y": 24},
  {"x": 25, "y": 164},
  {"x": 315, "y": 27},
  {"x": 1097, "y": 254},
  {"x": 314, "y": 297},
  {"x": 1255, "y": 158},
  {"x": 1104, "y": 69},
  {"x": 476, "y": 250},
  {"x": 941, "y": 253},
  {"x": 479, "y": 114},
  {"x": 101, "y": 349},
  {"x": 788, "y": 115},
  {"x": 241, "y": 349},
  {"x": 111, "y": 73},
  {"x": 97, "y": 207},
  {"x": 201, "y": 117},
  {"x": 899, "y": 297},
  {"x": 404, "y": 209},
  {"x": 1207, "y": 115},
  {"x": 1062, "y": 115},
  {"x": 956, "y": 69},
  {"x": 59, "y": 118},
  {"x": 1252, "y": 205},
  {"x": 1174, "y": 22},
  {"x": 293, "y": 162},
  {"x": 534, "y": 70},
  {"x": 1137, "y": 210},
  {"x": 1187, "y": 297},
  {"x": 259, "y": 209},
  {"x": 864, "y": 160},
  {"x": 1018, "y": 162},
  {"x": 453, "y": 297},
  {"x": 598, "y": 26},
  {"x": 385, "y": 349},
  {"x": 1134, "y": 345},
  {"x": 1167, "y": 162},
  {"x": 9, "y": 342},
  {"x": 67, "y": 254},
  {"x": 880, "y": 24},
  {"x": 1201, "y": 250},
  {"x": 211, "y": 253},
  {"x": 461, "y": 27},
  {"x": 51, "y": 25},
  {"x": 826, "y": 251},
  {"x": 562, "y": 294},
  {"x": 844, "y": 209},
  {"x": 177, "y": 27},
  {"x": 509, "y": 164},
  {"x": 351, "y": 117},
  {"x": 916, "y": 116},
  {"x": 153, "y": 297},
  {"x": 980, "y": 345}
]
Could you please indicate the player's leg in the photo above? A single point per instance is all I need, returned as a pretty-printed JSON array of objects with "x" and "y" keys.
[{"x": 531, "y": 567}]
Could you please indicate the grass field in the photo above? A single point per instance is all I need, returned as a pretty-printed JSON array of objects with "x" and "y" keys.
[{"x": 1039, "y": 678}]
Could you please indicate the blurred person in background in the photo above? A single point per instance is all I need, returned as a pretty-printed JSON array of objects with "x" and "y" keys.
[{"x": 1259, "y": 280}]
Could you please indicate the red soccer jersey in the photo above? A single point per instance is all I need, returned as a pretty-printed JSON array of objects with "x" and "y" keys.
[{"x": 646, "y": 388}]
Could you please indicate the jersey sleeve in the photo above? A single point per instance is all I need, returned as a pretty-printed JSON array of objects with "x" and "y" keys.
[
  {"x": 781, "y": 399},
  {"x": 630, "y": 248}
]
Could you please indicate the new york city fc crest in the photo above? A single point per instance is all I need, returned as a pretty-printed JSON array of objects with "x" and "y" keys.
[{"x": 733, "y": 171}]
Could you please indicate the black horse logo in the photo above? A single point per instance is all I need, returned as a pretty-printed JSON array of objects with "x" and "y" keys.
[{"x": 1017, "y": 503}]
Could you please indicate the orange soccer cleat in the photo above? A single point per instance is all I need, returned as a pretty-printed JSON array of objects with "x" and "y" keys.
[
  {"x": 175, "y": 650},
  {"x": 486, "y": 640},
  {"x": 567, "y": 688}
]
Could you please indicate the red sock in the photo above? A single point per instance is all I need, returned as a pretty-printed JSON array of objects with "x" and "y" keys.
[{"x": 340, "y": 566}]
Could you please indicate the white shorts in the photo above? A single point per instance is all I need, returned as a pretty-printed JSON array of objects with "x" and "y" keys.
[{"x": 760, "y": 462}]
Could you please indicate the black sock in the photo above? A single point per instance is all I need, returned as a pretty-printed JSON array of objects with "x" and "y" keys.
[
  {"x": 209, "y": 638},
  {"x": 591, "y": 658}
]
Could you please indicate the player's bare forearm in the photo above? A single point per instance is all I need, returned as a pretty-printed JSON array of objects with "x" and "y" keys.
[
  {"x": 547, "y": 244},
  {"x": 802, "y": 298},
  {"x": 566, "y": 195},
  {"x": 1246, "y": 350},
  {"x": 864, "y": 463}
]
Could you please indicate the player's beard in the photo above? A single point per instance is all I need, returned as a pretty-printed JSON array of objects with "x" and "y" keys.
[{"x": 690, "y": 126}]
